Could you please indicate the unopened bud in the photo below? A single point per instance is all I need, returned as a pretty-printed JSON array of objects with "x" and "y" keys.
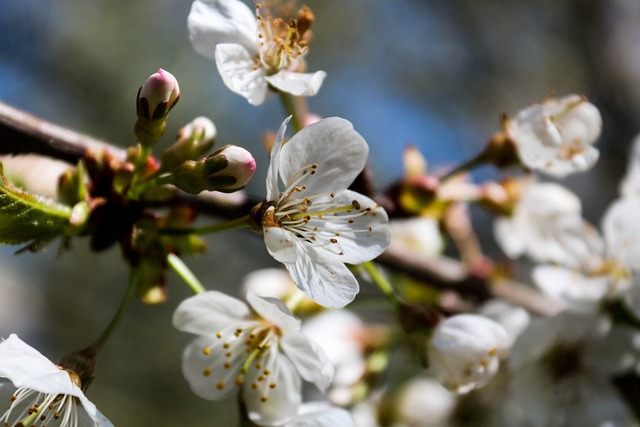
[
  {"x": 194, "y": 140},
  {"x": 501, "y": 151},
  {"x": 157, "y": 96},
  {"x": 227, "y": 170}
]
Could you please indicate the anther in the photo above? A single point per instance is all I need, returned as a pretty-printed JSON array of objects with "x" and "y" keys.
[
  {"x": 206, "y": 372},
  {"x": 355, "y": 204},
  {"x": 272, "y": 385},
  {"x": 206, "y": 351},
  {"x": 220, "y": 386}
]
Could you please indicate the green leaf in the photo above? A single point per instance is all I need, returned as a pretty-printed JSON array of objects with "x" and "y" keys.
[{"x": 27, "y": 218}]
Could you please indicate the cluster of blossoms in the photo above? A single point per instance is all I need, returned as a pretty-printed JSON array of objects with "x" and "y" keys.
[{"x": 293, "y": 326}]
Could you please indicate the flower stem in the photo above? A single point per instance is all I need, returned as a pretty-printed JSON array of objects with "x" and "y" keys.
[
  {"x": 381, "y": 281},
  {"x": 136, "y": 191},
  {"x": 185, "y": 274},
  {"x": 122, "y": 311},
  {"x": 145, "y": 151},
  {"x": 296, "y": 106},
  {"x": 209, "y": 229}
]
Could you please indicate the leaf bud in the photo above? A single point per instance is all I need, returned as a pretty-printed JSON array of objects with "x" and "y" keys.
[{"x": 227, "y": 170}]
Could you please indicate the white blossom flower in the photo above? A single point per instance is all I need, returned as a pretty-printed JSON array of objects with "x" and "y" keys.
[
  {"x": 464, "y": 351},
  {"x": 610, "y": 271},
  {"x": 264, "y": 353},
  {"x": 254, "y": 51},
  {"x": 562, "y": 369},
  {"x": 316, "y": 224},
  {"x": 321, "y": 414},
  {"x": 513, "y": 319},
  {"x": 556, "y": 135},
  {"x": 547, "y": 226},
  {"x": 39, "y": 392},
  {"x": 419, "y": 235},
  {"x": 341, "y": 335},
  {"x": 423, "y": 402}
]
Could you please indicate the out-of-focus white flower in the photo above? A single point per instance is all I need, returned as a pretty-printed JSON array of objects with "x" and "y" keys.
[
  {"x": 464, "y": 351},
  {"x": 340, "y": 334},
  {"x": 420, "y": 235},
  {"x": 39, "y": 393},
  {"x": 254, "y": 51},
  {"x": 271, "y": 282},
  {"x": 556, "y": 135},
  {"x": 423, "y": 402},
  {"x": 321, "y": 414},
  {"x": 315, "y": 224},
  {"x": 547, "y": 226},
  {"x": 562, "y": 369},
  {"x": 513, "y": 319},
  {"x": 264, "y": 353},
  {"x": 609, "y": 273}
]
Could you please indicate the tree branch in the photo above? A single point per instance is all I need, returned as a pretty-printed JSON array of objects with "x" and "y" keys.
[{"x": 22, "y": 133}]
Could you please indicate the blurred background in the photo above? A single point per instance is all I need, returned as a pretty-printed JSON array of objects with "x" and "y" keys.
[{"x": 436, "y": 74}]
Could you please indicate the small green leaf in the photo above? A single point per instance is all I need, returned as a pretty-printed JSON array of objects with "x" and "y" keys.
[{"x": 27, "y": 218}]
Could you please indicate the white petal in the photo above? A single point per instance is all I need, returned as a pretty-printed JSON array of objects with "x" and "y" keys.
[
  {"x": 321, "y": 414},
  {"x": 509, "y": 240},
  {"x": 239, "y": 72},
  {"x": 209, "y": 313},
  {"x": 323, "y": 277},
  {"x": 308, "y": 358},
  {"x": 297, "y": 84},
  {"x": 335, "y": 146},
  {"x": 212, "y": 22},
  {"x": 25, "y": 366},
  {"x": 282, "y": 401},
  {"x": 204, "y": 369},
  {"x": 274, "y": 311},
  {"x": 274, "y": 162},
  {"x": 281, "y": 244},
  {"x": 621, "y": 228},
  {"x": 356, "y": 243},
  {"x": 578, "y": 291}
]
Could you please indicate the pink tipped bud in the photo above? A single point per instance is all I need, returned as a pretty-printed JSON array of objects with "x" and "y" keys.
[
  {"x": 227, "y": 170},
  {"x": 241, "y": 165},
  {"x": 157, "y": 96}
]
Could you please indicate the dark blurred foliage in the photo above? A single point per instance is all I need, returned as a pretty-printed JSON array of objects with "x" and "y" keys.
[{"x": 437, "y": 74}]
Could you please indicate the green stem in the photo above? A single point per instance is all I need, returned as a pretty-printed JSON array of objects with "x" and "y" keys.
[
  {"x": 209, "y": 229},
  {"x": 468, "y": 165},
  {"x": 296, "y": 106},
  {"x": 122, "y": 311},
  {"x": 145, "y": 151},
  {"x": 185, "y": 274},
  {"x": 136, "y": 191},
  {"x": 381, "y": 281}
]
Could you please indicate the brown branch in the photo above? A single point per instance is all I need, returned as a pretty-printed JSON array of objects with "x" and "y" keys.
[{"x": 22, "y": 133}]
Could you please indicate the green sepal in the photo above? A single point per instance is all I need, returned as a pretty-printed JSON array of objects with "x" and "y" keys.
[{"x": 26, "y": 218}]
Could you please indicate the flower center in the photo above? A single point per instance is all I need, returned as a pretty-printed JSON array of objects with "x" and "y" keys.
[
  {"x": 283, "y": 42},
  {"x": 249, "y": 358},
  {"x": 317, "y": 219},
  {"x": 30, "y": 408}
]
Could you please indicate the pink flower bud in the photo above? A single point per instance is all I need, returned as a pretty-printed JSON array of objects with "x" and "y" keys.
[
  {"x": 227, "y": 170},
  {"x": 241, "y": 165},
  {"x": 158, "y": 95}
]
